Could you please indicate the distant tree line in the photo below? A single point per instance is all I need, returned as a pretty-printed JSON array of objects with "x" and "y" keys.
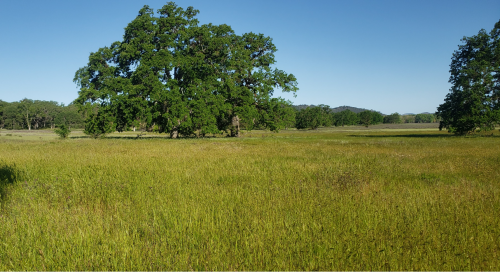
[
  {"x": 420, "y": 118},
  {"x": 323, "y": 116},
  {"x": 38, "y": 114}
]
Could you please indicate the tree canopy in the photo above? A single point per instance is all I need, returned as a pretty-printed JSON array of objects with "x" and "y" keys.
[
  {"x": 473, "y": 100},
  {"x": 365, "y": 118},
  {"x": 345, "y": 117},
  {"x": 313, "y": 117},
  {"x": 182, "y": 77},
  {"x": 394, "y": 118},
  {"x": 38, "y": 114}
]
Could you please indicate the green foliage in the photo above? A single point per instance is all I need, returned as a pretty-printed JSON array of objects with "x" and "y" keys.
[
  {"x": 326, "y": 116},
  {"x": 313, "y": 117},
  {"x": 307, "y": 118},
  {"x": 69, "y": 116},
  {"x": 98, "y": 123},
  {"x": 38, "y": 114},
  {"x": 473, "y": 100},
  {"x": 183, "y": 77},
  {"x": 3, "y": 104},
  {"x": 276, "y": 114},
  {"x": 63, "y": 131},
  {"x": 425, "y": 118},
  {"x": 394, "y": 118},
  {"x": 377, "y": 118},
  {"x": 408, "y": 118},
  {"x": 345, "y": 118},
  {"x": 365, "y": 118}
]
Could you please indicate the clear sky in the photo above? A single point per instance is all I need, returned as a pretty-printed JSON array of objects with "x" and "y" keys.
[{"x": 390, "y": 56}]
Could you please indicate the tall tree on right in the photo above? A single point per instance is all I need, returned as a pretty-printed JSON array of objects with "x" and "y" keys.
[{"x": 473, "y": 100}]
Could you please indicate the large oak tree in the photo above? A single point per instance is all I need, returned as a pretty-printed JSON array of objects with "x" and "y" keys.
[{"x": 182, "y": 77}]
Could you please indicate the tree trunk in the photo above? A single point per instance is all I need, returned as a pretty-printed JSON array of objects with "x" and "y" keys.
[
  {"x": 235, "y": 127},
  {"x": 174, "y": 133},
  {"x": 28, "y": 122},
  {"x": 175, "y": 130}
]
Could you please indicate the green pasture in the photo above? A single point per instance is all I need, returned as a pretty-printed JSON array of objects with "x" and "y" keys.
[{"x": 331, "y": 199}]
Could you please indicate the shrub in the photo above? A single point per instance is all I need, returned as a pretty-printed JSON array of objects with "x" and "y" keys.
[{"x": 63, "y": 131}]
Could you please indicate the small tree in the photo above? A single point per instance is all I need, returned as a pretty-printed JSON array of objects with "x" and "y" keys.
[
  {"x": 345, "y": 117},
  {"x": 410, "y": 118},
  {"x": 365, "y": 118},
  {"x": 377, "y": 118},
  {"x": 63, "y": 131},
  {"x": 276, "y": 115},
  {"x": 309, "y": 118},
  {"x": 394, "y": 118},
  {"x": 424, "y": 118}
]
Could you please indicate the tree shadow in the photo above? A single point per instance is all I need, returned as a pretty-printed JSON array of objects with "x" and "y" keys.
[
  {"x": 428, "y": 136},
  {"x": 8, "y": 176},
  {"x": 144, "y": 138}
]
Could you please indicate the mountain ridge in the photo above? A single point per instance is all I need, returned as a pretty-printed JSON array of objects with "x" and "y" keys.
[{"x": 336, "y": 109}]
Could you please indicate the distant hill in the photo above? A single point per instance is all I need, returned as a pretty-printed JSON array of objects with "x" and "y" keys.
[
  {"x": 302, "y": 106},
  {"x": 416, "y": 113},
  {"x": 353, "y": 109},
  {"x": 336, "y": 109}
]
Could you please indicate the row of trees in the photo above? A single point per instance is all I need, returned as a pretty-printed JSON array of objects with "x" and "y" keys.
[
  {"x": 36, "y": 114},
  {"x": 323, "y": 116},
  {"x": 420, "y": 118}
]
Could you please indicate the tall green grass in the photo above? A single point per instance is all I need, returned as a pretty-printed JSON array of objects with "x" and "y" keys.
[{"x": 322, "y": 200}]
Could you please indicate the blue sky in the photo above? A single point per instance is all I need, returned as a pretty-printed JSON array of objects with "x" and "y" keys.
[{"x": 390, "y": 56}]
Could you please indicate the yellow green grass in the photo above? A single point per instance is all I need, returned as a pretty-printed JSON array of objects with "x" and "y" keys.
[{"x": 313, "y": 200}]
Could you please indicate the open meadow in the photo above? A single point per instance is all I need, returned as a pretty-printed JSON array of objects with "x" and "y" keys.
[{"x": 383, "y": 198}]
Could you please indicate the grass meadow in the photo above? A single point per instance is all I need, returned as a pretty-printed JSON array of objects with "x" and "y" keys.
[{"x": 333, "y": 199}]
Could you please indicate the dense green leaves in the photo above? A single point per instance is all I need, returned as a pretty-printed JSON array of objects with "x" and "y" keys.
[
  {"x": 63, "y": 131},
  {"x": 322, "y": 116},
  {"x": 183, "y": 78},
  {"x": 425, "y": 118},
  {"x": 394, "y": 118},
  {"x": 313, "y": 117},
  {"x": 365, "y": 118},
  {"x": 345, "y": 118},
  {"x": 473, "y": 100},
  {"x": 37, "y": 114}
]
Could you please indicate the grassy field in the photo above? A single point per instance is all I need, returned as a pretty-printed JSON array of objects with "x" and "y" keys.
[{"x": 337, "y": 199}]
